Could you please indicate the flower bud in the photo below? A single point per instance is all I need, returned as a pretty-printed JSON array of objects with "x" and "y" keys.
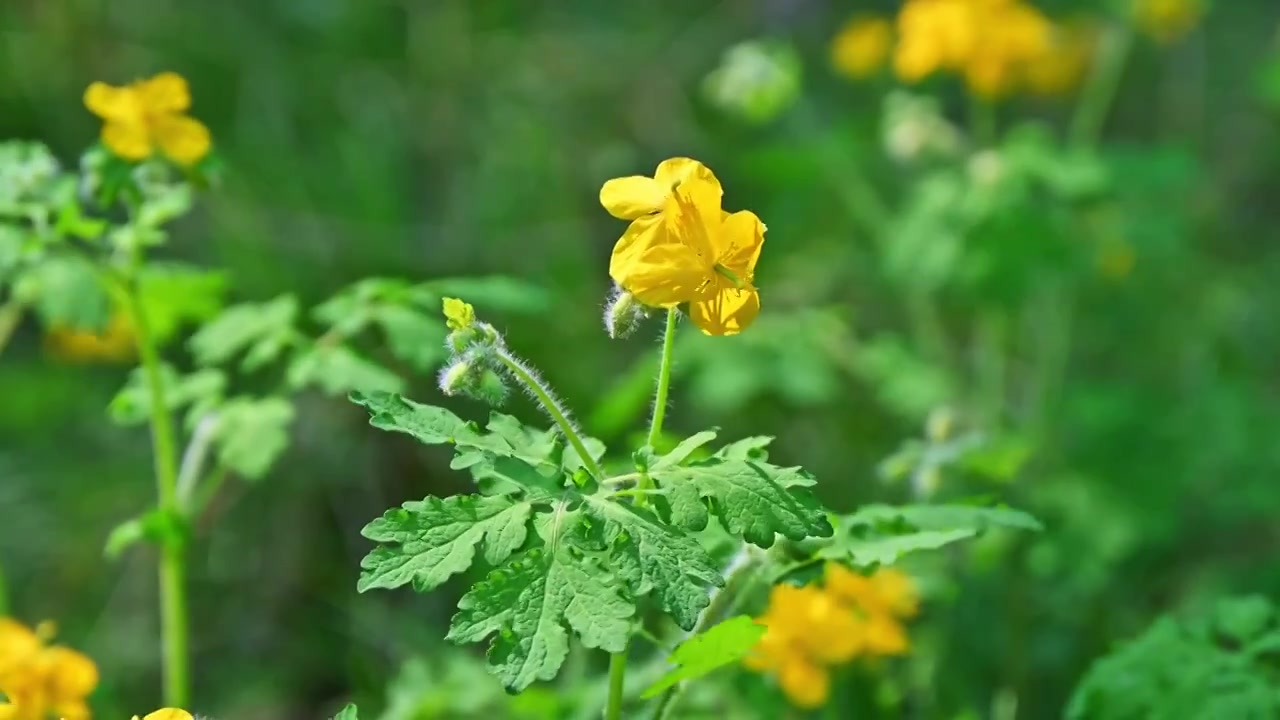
[
  {"x": 455, "y": 377},
  {"x": 468, "y": 333},
  {"x": 940, "y": 425},
  {"x": 623, "y": 314}
]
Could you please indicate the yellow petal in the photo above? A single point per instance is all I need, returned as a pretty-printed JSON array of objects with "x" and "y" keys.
[
  {"x": 72, "y": 675},
  {"x": 861, "y": 46},
  {"x": 169, "y": 714},
  {"x": 127, "y": 140},
  {"x": 676, "y": 171},
  {"x": 10, "y": 712},
  {"x": 118, "y": 104},
  {"x": 641, "y": 234},
  {"x": 885, "y": 636},
  {"x": 185, "y": 140},
  {"x": 728, "y": 312},
  {"x": 72, "y": 711},
  {"x": 804, "y": 682},
  {"x": 165, "y": 93},
  {"x": 628, "y": 198},
  {"x": 665, "y": 274},
  {"x": 738, "y": 242}
]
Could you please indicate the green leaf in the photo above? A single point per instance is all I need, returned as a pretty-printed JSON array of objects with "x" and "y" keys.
[
  {"x": 66, "y": 292},
  {"x": 132, "y": 405},
  {"x": 173, "y": 294},
  {"x": 347, "y": 713},
  {"x": 429, "y": 424},
  {"x": 156, "y": 526},
  {"x": 252, "y": 433},
  {"x": 682, "y": 451},
  {"x": 885, "y": 550},
  {"x": 529, "y": 604},
  {"x": 413, "y": 336},
  {"x": 720, "y": 645},
  {"x": 428, "y": 542},
  {"x": 656, "y": 558},
  {"x": 945, "y": 517},
  {"x": 337, "y": 370},
  {"x": 752, "y": 499},
  {"x": 264, "y": 330}
]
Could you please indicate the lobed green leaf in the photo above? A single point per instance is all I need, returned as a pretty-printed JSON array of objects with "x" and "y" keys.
[{"x": 722, "y": 644}]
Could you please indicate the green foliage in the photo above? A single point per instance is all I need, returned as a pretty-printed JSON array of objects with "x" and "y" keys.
[
  {"x": 347, "y": 713},
  {"x": 568, "y": 554},
  {"x": 721, "y": 644},
  {"x": 880, "y": 534},
  {"x": 1219, "y": 663}
]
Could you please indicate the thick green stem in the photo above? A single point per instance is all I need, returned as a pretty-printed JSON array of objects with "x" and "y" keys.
[
  {"x": 741, "y": 574},
  {"x": 558, "y": 415},
  {"x": 617, "y": 685},
  {"x": 173, "y": 602},
  {"x": 1100, "y": 91}
]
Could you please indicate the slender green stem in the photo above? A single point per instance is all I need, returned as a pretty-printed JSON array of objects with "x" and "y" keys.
[
  {"x": 1099, "y": 93},
  {"x": 173, "y": 602},
  {"x": 558, "y": 415},
  {"x": 664, "y": 378},
  {"x": 617, "y": 685},
  {"x": 10, "y": 318}
]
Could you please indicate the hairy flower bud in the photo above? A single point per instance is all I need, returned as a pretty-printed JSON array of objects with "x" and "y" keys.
[{"x": 623, "y": 314}]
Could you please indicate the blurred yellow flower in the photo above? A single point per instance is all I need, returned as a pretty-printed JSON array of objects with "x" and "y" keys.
[
  {"x": 990, "y": 43},
  {"x": 41, "y": 680},
  {"x": 1061, "y": 68},
  {"x": 115, "y": 343},
  {"x": 862, "y": 46},
  {"x": 167, "y": 714},
  {"x": 1168, "y": 20},
  {"x": 148, "y": 115},
  {"x": 683, "y": 248},
  {"x": 811, "y": 628}
]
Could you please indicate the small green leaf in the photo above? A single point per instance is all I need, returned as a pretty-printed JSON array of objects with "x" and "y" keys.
[
  {"x": 682, "y": 451},
  {"x": 264, "y": 330},
  {"x": 252, "y": 433},
  {"x": 132, "y": 405},
  {"x": 337, "y": 370},
  {"x": 885, "y": 550},
  {"x": 66, "y": 292},
  {"x": 752, "y": 499},
  {"x": 173, "y": 294},
  {"x": 722, "y": 644},
  {"x": 944, "y": 517},
  {"x": 429, "y": 424},
  {"x": 428, "y": 542},
  {"x": 156, "y": 526},
  {"x": 529, "y": 603},
  {"x": 347, "y": 713}
]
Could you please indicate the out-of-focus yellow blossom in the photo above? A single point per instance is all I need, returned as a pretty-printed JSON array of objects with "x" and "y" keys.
[
  {"x": 1168, "y": 20},
  {"x": 682, "y": 247},
  {"x": 813, "y": 627},
  {"x": 167, "y": 714},
  {"x": 1066, "y": 60},
  {"x": 861, "y": 47},
  {"x": 115, "y": 343},
  {"x": 147, "y": 115},
  {"x": 990, "y": 43},
  {"x": 41, "y": 680}
]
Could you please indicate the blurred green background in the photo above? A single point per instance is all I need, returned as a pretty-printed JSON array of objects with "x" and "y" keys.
[{"x": 1105, "y": 316}]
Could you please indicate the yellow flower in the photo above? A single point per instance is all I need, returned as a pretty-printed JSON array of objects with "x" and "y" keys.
[
  {"x": 38, "y": 680},
  {"x": 807, "y": 684},
  {"x": 116, "y": 343},
  {"x": 148, "y": 115},
  {"x": 1060, "y": 69},
  {"x": 1168, "y": 20},
  {"x": 933, "y": 35},
  {"x": 887, "y": 592},
  {"x": 167, "y": 714},
  {"x": 682, "y": 248},
  {"x": 860, "y": 48}
]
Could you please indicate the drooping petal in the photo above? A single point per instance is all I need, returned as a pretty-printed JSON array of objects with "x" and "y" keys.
[
  {"x": 676, "y": 171},
  {"x": 169, "y": 714},
  {"x": 628, "y": 198},
  {"x": 165, "y": 93},
  {"x": 185, "y": 140},
  {"x": 738, "y": 242},
  {"x": 130, "y": 141},
  {"x": 114, "y": 104},
  {"x": 666, "y": 274},
  {"x": 728, "y": 312}
]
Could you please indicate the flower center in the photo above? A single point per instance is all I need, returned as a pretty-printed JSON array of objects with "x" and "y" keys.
[{"x": 738, "y": 282}]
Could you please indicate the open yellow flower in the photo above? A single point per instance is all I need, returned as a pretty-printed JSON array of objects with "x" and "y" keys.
[
  {"x": 690, "y": 251},
  {"x": 633, "y": 197},
  {"x": 167, "y": 714},
  {"x": 39, "y": 681},
  {"x": 148, "y": 115}
]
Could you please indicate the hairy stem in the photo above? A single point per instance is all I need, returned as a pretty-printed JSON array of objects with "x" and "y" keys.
[
  {"x": 1099, "y": 93},
  {"x": 173, "y": 602},
  {"x": 740, "y": 575},
  {"x": 549, "y": 404}
]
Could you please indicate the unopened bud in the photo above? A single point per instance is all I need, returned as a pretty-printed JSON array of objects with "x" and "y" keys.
[
  {"x": 623, "y": 314},
  {"x": 455, "y": 377},
  {"x": 940, "y": 424},
  {"x": 468, "y": 376},
  {"x": 490, "y": 388}
]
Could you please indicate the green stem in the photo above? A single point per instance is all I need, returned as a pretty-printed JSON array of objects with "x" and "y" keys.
[
  {"x": 741, "y": 574},
  {"x": 1099, "y": 93},
  {"x": 173, "y": 603},
  {"x": 558, "y": 415},
  {"x": 983, "y": 122},
  {"x": 617, "y": 685}
]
